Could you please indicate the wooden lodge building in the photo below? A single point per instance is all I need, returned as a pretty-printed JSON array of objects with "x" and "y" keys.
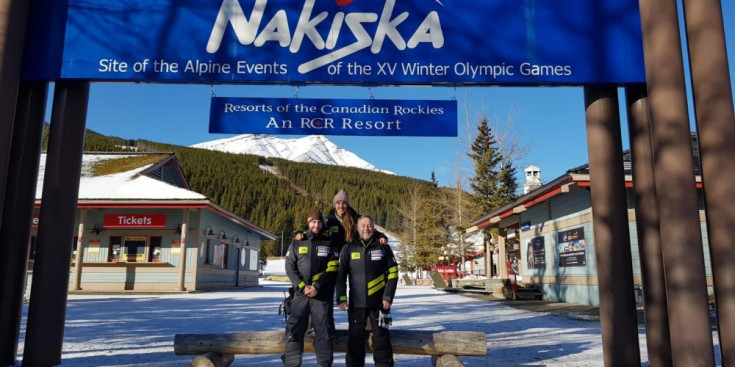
[
  {"x": 137, "y": 220},
  {"x": 548, "y": 232}
]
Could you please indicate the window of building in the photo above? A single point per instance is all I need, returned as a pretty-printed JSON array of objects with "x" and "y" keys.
[
  {"x": 114, "y": 249},
  {"x": 32, "y": 249},
  {"x": 225, "y": 255},
  {"x": 134, "y": 248},
  {"x": 207, "y": 247},
  {"x": 74, "y": 248},
  {"x": 220, "y": 255},
  {"x": 154, "y": 254},
  {"x": 253, "y": 260}
]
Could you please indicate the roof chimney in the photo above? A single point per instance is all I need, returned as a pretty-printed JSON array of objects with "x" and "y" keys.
[{"x": 533, "y": 179}]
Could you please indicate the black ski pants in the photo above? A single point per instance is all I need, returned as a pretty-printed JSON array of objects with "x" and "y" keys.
[
  {"x": 382, "y": 349},
  {"x": 321, "y": 321}
]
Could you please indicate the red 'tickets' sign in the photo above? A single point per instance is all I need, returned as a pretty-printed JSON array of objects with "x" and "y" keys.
[{"x": 134, "y": 220}]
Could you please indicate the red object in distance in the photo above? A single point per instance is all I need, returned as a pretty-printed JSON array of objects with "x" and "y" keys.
[{"x": 343, "y": 2}]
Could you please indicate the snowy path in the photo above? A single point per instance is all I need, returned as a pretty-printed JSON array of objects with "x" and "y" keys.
[{"x": 139, "y": 330}]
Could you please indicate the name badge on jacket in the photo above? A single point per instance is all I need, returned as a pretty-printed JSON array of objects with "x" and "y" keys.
[
  {"x": 322, "y": 251},
  {"x": 376, "y": 255}
]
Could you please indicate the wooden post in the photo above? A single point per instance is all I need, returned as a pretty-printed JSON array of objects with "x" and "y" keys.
[
  {"x": 658, "y": 339},
  {"x": 47, "y": 309},
  {"x": 212, "y": 359},
  {"x": 502, "y": 267},
  {"x": 610, "y": 224},
  {"x": 676, "y": 193},
  {"x": 182, "y": 247},
  {"x": 79, "y": 258},
  {"x": 13, "y": 19},
  {"x": 460, "y": 343},
  {"x": 713, "y": 105},
  {"x": 447, "y": 360},
  {"x": 15, "y": 227}
]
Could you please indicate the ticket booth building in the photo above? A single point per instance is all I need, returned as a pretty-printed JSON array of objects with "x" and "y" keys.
[{"x": 135, "y": 226}]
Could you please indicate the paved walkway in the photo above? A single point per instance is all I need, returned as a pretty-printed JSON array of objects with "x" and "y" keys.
[{"x": 579, "y": 311}]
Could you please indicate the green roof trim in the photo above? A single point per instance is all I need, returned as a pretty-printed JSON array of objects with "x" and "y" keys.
[{"x": 111, "y": 166}]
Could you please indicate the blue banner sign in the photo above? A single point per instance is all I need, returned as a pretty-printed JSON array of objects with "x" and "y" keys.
[
  {"x": 446, "y": 42},
  {"x": 301, "y": 116}
]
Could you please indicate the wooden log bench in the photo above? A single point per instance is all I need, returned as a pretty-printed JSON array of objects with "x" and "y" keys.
[
  {"x": 483, "y": 286},
  {"x": 218, "y": 350}
]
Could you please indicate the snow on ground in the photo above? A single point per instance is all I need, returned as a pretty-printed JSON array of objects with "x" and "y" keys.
[
  {"x": 138, "y": 330},
  {"x": 275, "y": 266}
]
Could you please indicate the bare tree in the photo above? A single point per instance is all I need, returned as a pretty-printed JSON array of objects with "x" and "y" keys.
[
  {"x": 410, "y": 219},
  {"x": 508, "y": 138},
  {"x": 504, "y": 132},
  {"x": 462, "y": 210}
]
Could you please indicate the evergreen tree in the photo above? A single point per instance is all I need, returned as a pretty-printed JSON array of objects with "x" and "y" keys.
[
  {"x": 494, "y": 183},
  {"x": 509, "y": 184},
  {"x": 486, "y": 183}
]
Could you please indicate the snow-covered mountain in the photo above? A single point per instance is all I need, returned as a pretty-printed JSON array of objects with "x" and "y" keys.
[{"x": 313, "y": 149}]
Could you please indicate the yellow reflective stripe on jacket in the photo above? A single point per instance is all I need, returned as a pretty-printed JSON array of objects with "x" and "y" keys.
[
  {"x": 393, "y": 272},
  {"x": 343, "y": 298},
  {"x": 376, "y": 288},
  {"x": 332, "y": 266},
  {"x": 302, "y": 285},
  {"x": 375, "y": 281},
  {"x": 317, "y": 276}
]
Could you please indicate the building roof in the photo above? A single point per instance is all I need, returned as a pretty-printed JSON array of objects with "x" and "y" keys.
[
  {"x": 139, "y": 180},
  {"x": 137, "y": 183},
  {"x": 578, "y": 176}
]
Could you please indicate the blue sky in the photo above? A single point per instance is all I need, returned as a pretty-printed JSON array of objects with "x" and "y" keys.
[{"x": 549, "y": 121}]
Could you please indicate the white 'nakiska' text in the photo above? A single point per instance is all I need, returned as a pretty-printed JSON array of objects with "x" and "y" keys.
[{"x": 278, "y": 30}]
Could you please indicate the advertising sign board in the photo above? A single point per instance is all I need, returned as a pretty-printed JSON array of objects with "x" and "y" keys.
[
  {"x": 572, "y": 247},
  {"x": 536, "y": 253},
  {"x": 301, "y": 116},
  {"x": 457, "y": 42},
  {"x": 134, "y": 220}
]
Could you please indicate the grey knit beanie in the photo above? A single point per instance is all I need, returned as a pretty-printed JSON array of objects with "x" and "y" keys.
[{"x": 341, "y": 195}]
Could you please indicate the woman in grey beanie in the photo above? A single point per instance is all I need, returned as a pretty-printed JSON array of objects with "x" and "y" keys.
[{"x": 341, "y": 221}]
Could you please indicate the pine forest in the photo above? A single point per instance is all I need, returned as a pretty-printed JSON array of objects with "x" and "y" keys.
[{"x": 275, "y": 193}]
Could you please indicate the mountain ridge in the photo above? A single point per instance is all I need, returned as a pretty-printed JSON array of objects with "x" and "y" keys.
[{"x": 310, "y": 149}]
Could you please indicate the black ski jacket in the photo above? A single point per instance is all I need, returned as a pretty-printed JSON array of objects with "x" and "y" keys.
[
  {"x": 373, "y": 273},
  {"x": 313, "y": 261}
]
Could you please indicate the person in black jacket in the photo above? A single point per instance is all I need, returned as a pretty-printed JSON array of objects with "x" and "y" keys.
[
  {"x": 373, "y": 275},
  {"x": 311, "y": 265}
]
